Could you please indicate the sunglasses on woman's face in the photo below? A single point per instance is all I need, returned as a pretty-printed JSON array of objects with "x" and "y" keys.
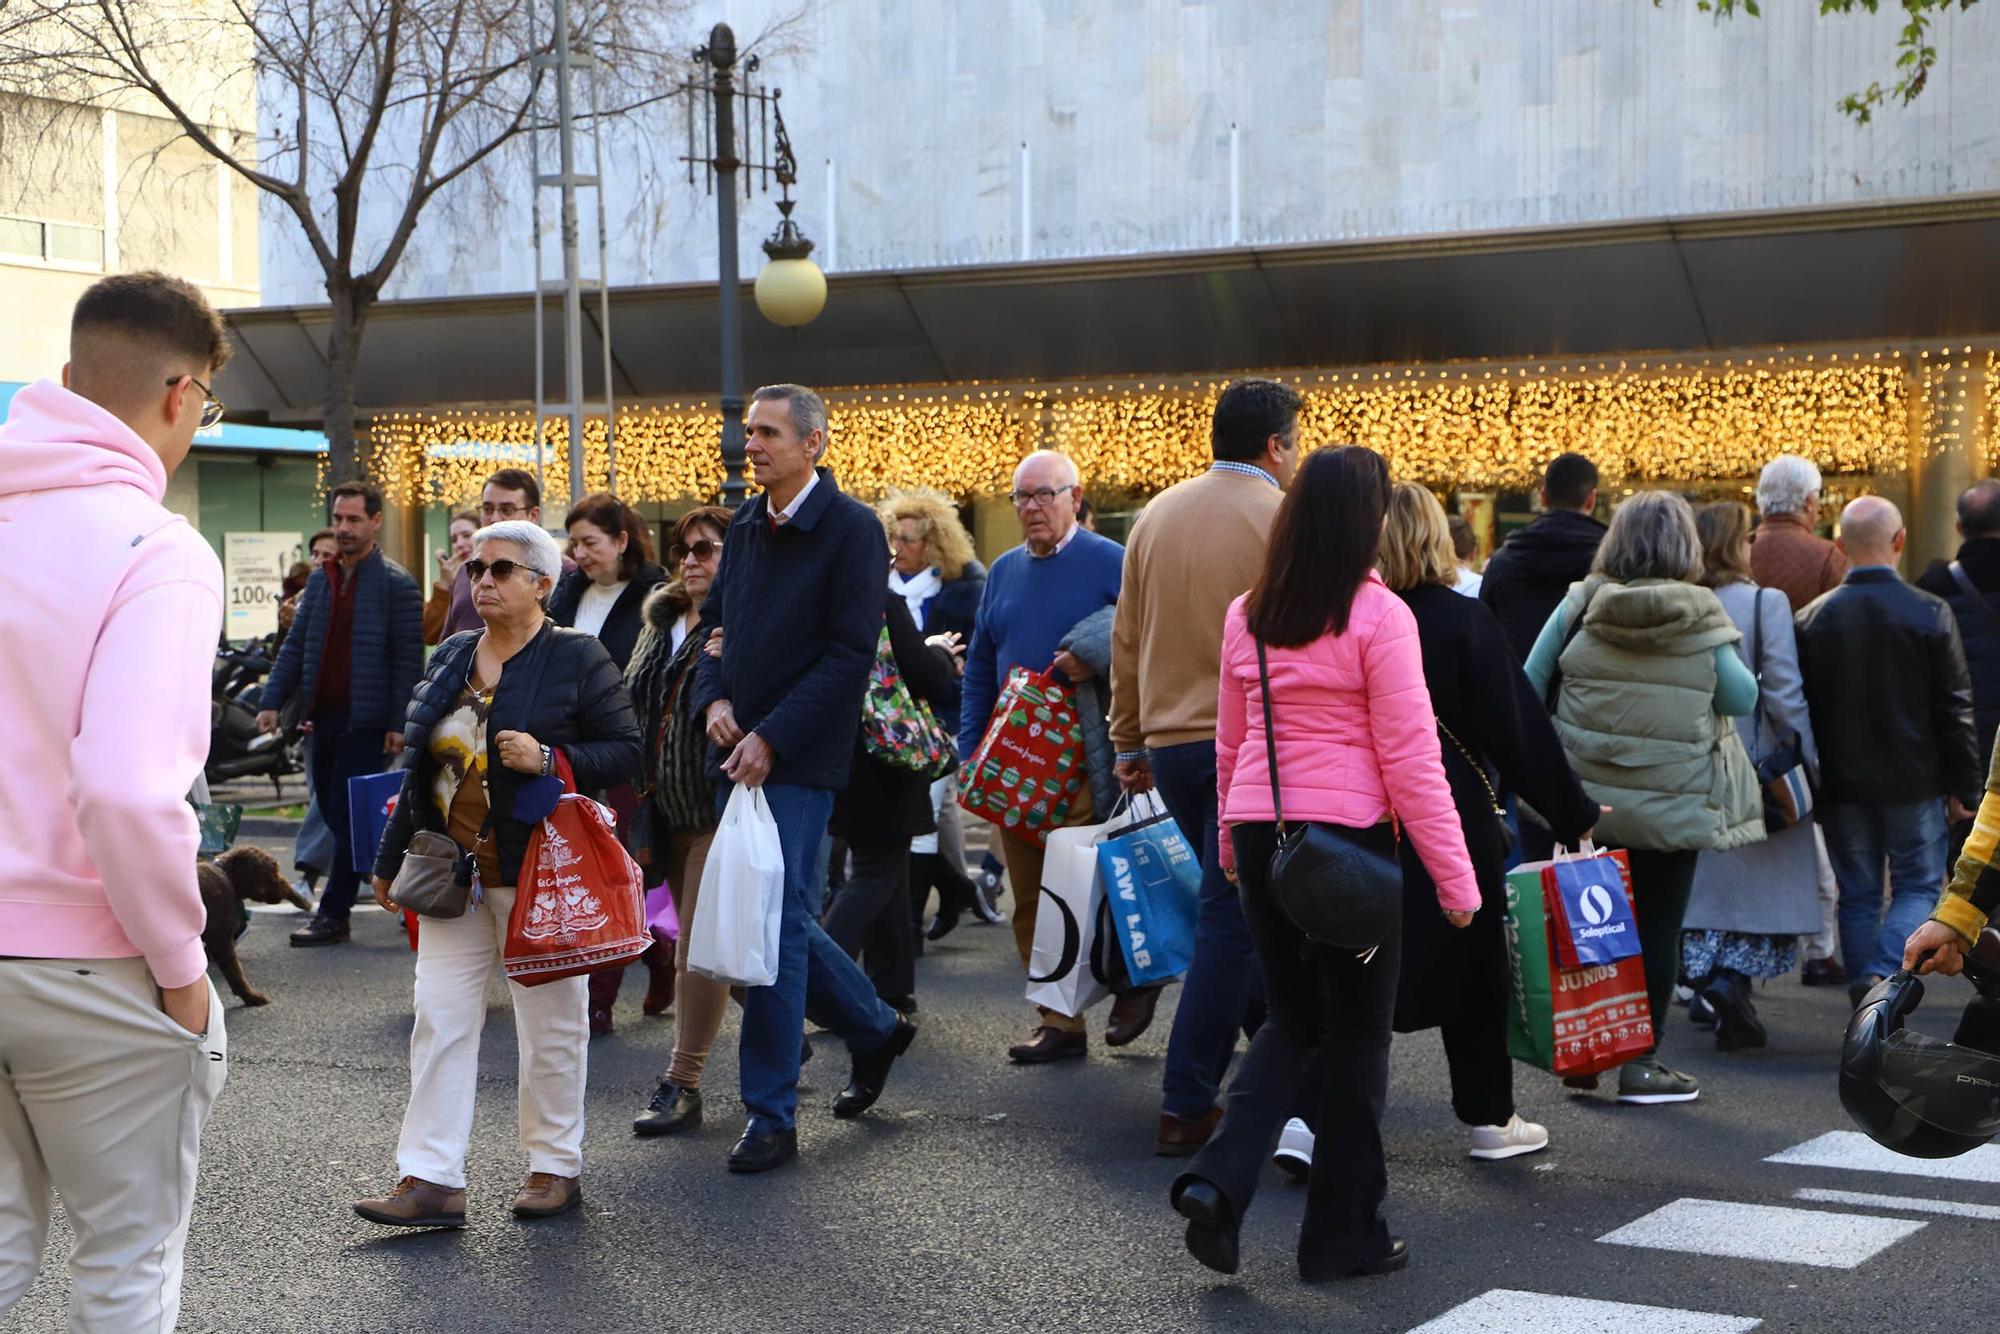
[
  {"x": 701, "y": 549},
  {"x": 502, "y": 570}
]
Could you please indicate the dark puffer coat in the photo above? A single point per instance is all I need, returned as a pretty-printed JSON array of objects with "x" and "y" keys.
[{"x": 562, "y": 689}]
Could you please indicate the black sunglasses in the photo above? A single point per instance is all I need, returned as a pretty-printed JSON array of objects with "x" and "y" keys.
[
  {"x": 503, "y": 570},
  {"x": 700, "y": 549}
]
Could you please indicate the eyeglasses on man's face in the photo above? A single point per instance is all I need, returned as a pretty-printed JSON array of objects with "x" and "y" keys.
[
  {"x": 1041, "y": 497},
  {"x": 502, "y": 570},
  {"x": 211, "y": 406},
  {"x": 503, "y": 509}
]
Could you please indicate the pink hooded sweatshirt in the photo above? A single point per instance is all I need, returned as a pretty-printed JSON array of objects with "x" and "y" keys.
[
  {"x": 107, "y": 640},
  {"x": 1357, "y": 740}
]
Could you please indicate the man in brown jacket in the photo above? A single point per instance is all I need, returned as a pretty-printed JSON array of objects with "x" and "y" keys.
[
  {"x": 1787, "y": 553},
  {"x": 1198, "y": 547}
]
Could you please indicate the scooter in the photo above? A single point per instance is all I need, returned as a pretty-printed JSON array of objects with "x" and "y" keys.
[{"x": 235, "y": 747}]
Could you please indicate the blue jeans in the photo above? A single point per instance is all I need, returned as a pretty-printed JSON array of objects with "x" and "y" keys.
[
  {"x": 816, "y": 979},
  {"x": 1223, "y": 992},
  {"x": 1910, "y": 837}
]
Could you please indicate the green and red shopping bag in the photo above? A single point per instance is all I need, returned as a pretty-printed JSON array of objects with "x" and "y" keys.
[
  {"x": 1569, "y": 1021},
  {"x": 1029, "y": 765}
]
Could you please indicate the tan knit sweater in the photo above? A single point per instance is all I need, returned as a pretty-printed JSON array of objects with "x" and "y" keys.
[{"x": 1197, "y": 547}]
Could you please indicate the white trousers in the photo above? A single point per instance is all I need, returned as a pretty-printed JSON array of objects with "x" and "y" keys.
[
  {"x": 102, "y": 1100},
  {"x": 1825, "y": 944},
  {"x": 455, "y": 962}
]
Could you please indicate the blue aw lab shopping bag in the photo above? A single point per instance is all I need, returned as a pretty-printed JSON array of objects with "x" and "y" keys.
[
  {"x": 1594, "y": 922},
  {"x": 370, "y": 798},
  {"x": 1151, "y": 878}
]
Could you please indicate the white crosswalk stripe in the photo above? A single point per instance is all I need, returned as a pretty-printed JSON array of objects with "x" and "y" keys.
[
  {"x": 1764, "y": 1232},
  {"x": 1906, "y": 1203},
  {"x": 1510, "y": 1311},
  {"x": 1855, "y": 1152}
]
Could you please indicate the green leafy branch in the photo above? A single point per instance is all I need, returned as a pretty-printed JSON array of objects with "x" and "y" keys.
[{"x": 1915, "y": 54}]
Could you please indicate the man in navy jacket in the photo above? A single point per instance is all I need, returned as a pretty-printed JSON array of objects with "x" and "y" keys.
[
  {"x": 354, "y": 655},
  {"x": 799, "y": 603}
]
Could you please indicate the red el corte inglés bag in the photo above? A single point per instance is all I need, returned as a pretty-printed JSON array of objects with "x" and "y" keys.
[
  {"x": 581, "y": 903},
  {"x": 1029, "y": 765}
]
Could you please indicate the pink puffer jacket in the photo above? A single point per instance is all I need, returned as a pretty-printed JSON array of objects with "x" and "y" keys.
[{"x": 1357, "y": 740}]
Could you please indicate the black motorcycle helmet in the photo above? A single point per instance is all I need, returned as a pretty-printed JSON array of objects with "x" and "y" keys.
[{"x": 1913, "y": 1094}]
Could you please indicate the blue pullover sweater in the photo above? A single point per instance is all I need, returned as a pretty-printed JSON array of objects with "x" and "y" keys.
[{"x": 1030, "y": 604}]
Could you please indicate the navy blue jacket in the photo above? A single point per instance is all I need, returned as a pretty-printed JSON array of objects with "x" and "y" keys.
[
  {"x": 800, "y": 610},
  {"x": 563, "y": 690},
  {"x": 1978, "y": 629},
  {"x": 388, "y": 646}
]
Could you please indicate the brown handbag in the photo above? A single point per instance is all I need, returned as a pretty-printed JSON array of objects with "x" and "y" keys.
[{"x": 430, "y": 883}]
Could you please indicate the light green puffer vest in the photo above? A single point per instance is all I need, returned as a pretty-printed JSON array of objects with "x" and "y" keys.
[{"x": 1637, "y": 717}]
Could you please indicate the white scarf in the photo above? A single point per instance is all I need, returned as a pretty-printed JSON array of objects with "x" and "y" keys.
[{"x": 916, "y": 590}]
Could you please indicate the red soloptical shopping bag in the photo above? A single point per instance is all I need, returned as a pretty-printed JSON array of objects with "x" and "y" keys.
[
  {"x": 1029, "y": 765},
  {"x": 581, "y": 903}
]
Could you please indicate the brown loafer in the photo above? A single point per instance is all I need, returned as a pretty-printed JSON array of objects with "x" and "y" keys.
[
  {"x": 1131, "y": 1015},
  {"x": 1181, "y": 1136},
  {"x": 416, "y": 1203},
  {"x": 544, "y": 1195},
  {"x": 1047, "y": 1044}
]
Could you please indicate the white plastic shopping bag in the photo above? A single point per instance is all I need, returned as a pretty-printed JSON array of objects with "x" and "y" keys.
[{"x": 735, "y": 933}]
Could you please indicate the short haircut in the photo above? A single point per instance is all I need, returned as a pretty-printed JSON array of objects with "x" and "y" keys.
[
  {"x": 1247, "y": 415},
  {"x": 611, "y": 515},
  {"x": 1979, "y": 509},
  {"x": 1652, "y": 536},
  {"x": 1569, "y": 481},
  {"x": 1786, "y": 485},
  {"x": 1464, "y": 542},
  {"x": 132, "y": 332},
  {"x": 540, "y": 550},
  {"x": 808, "y": 410},
  {"x": 518, "y": 479},
  {"x": 1068, "y": 465},
  {"x": 1416, "y": 544},
  {"x": 1724, "y": 528},
  {"x": 1870, "y": 523},
  {"x": 371, "y": 496}
]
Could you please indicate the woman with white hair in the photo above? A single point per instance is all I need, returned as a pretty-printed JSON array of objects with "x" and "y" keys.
[
  {"x": 1638, "y": 664},
  {"x": 494, "y": 710}
]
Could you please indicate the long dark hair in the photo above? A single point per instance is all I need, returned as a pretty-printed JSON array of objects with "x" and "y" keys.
[
  {"x": 1322, "y": 548},
  {"x": 613, "y": 516}
]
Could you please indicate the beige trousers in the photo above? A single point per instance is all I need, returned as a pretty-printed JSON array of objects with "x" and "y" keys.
[{"x": 102, "y": 1100}]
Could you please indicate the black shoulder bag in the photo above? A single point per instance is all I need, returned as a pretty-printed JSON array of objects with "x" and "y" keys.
[{"x": 1341, "y": 893}]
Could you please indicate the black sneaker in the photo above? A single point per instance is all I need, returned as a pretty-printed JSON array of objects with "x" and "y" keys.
[
  {"x": 321, "y": 931},
  {"x": 672, "y": 1110}
]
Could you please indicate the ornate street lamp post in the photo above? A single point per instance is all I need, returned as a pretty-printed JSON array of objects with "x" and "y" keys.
[{"x": 786, "y": 289}]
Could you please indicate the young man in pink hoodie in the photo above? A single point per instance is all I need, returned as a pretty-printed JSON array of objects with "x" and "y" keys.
[{"x": 111, "y": 1039}]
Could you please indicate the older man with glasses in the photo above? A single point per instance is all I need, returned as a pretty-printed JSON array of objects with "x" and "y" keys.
[
  {"x": 1037, "y": 596},
  {"x": 509, "y": 494}
]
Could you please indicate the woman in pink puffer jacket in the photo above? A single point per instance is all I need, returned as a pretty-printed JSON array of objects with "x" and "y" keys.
[{"x": 1357, "y": 746}]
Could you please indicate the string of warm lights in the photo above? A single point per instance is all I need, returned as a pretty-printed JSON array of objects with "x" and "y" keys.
[{"x": 1471, "y": 427}]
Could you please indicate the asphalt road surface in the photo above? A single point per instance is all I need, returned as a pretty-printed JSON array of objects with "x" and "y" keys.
[{"x": 982, "y": 1196}]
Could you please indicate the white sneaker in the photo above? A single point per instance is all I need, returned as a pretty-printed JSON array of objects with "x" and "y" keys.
[
  {"x": 1295, "y": 1150},
  {"x": 1492, "y": 1143}
]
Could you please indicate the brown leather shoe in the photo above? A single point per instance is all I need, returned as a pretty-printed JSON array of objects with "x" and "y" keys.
[
  {"x": 1131, "y": 1015},
  {"x": 1047, "y": 1044},
  {"x": 1180, "y": 1137},
  {"x": 544, "y": 1195},
  {"x": 416, "y": 1203},
  {"x": 321, "y": 931}
]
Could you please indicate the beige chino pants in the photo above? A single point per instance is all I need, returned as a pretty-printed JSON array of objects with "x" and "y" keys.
[{"x": 102, "y": 1100}]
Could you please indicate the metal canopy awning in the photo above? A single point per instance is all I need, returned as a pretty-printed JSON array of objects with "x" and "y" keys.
[{"x": 1888, "y": 273}]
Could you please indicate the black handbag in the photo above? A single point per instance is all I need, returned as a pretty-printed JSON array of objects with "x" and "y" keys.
[{"x": 1340, "y": 892}]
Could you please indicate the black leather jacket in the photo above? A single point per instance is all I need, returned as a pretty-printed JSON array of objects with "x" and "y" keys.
[
  {"x": 1890, "y": 698},
  {"x": 562, "y": 689}
]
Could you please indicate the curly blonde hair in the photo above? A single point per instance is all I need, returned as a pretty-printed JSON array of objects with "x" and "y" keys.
[{"x": 946, "y": 543}]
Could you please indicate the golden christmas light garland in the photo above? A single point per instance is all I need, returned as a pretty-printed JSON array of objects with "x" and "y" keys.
[{"x": 1463, "y": 428}]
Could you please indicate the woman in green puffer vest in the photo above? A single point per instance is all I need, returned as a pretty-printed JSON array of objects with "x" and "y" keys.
[{"x": 1639, "y": 670}]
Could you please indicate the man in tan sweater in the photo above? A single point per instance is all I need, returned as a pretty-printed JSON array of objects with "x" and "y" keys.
[{"x": 1197, "y": 547}]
